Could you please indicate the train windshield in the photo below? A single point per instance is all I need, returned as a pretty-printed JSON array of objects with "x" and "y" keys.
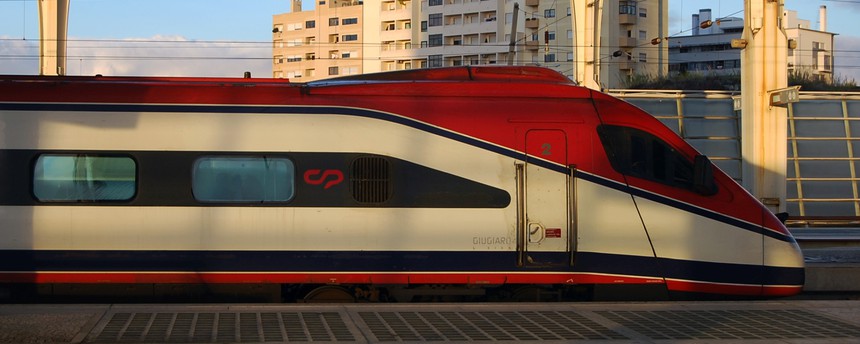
[{"x": 640, "y": 154}]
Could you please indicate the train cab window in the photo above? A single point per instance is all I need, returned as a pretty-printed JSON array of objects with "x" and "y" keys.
[
  {"x": 84, "y": 178},
  {"x": 640, "y": 154},
  {"x": 243, "y": 179}
]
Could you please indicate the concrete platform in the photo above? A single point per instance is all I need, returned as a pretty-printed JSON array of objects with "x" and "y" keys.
[{"x": 655, "y": 322}]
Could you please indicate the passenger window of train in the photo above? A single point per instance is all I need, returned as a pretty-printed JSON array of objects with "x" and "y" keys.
[
  {"x": 84, "y": 178},
  {"x": 640, "y": 154},
  {"x": 243, "y": 179}
]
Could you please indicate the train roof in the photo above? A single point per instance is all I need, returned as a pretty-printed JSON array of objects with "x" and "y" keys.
[
  {"x": 498, "y": 81},
  {"x": 463, "y": 74}
]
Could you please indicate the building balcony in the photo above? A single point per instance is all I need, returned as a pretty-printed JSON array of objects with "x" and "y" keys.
[
  {"x": 532, "y": 45},
  {"x": 626, "y": 65},
  {"x": 626, "y": 42},
  {"x": 532, "y": 2},
  {"x": 626, "y": 19},
  {"x": 532, "y": 23}
]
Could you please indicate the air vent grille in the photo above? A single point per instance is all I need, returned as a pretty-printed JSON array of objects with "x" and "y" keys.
[{"x": 370, "y": 179}]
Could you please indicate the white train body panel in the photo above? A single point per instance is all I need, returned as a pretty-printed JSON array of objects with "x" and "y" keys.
[
  {"x": 611, "y": 225},
  {"x": 689, "y": 236}
]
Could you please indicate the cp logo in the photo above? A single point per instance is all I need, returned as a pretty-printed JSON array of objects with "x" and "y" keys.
[{"x": 317, "y": 177}]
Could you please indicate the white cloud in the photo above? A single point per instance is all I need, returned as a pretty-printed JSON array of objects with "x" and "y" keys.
[
  {"x": 18, "y": 56},
  {"x": 155, "y": 56}
]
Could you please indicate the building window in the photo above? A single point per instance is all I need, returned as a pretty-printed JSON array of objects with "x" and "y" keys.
[
  {"x": 243, "y": 179},
  {"x": 348, "y": 70},
  {"x": 549, "y": 58},
  {"x": 84, "y": 178},
  {"x": 434, "y": 61},
  {"x": 310, "y": 24},
  {"x": 549, "y": 13},
  {"x": 643, "y": 57},
  {"x": 643, "y": 13},
  {"x": 817, "y": 46},
  {"x": 435, "y": 19},
  {"x": 332, "y": 70},
  {"x": 435, "y": 3},
  {"x": 643, "y": 35},
  {"x": 627, "y": 7},
  {"x": 550, "y": 35},
  {"x": 435, "y": 40},
  {"x": 423, "y": 26},
  {"x": 350, "y": 21},
  {"x": 333, "y": 21},
  {"x": 347, "y": 38},
  {"x": 570, "y": 56}
]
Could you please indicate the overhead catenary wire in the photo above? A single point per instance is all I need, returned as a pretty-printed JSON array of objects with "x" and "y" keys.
[{"x": 130, "y": 44}]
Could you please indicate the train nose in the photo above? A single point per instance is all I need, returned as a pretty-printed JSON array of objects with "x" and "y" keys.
[{"x": 784, "y": 266}]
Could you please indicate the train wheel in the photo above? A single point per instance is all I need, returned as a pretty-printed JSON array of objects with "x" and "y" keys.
[{"x": 329, "y": 294}]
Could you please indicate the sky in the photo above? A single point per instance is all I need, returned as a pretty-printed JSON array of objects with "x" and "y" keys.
[{"x": 229, "y": 37}]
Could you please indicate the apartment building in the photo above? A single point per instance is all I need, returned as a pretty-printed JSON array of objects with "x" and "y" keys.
[
  {"x": 324, "y": 43},
  {"x": 384, "y": 35},
  {"x": 708, "y": 50},
  {"x": 632, "y": 40},
  {"x": 813, "y": 50}
]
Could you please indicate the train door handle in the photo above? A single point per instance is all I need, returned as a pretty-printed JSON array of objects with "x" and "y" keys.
[{"x": 536, "y": 232}]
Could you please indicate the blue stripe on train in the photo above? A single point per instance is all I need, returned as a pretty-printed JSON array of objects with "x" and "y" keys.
[{"x": 388, "y": 261}]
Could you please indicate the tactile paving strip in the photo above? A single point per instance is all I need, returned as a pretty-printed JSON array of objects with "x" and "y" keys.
[
  {"x": 483, "y": 326},
  {"x": 224, "y": 327},
  {"x": 441, "y": 324},
  {"x": 732, "y": 324}
]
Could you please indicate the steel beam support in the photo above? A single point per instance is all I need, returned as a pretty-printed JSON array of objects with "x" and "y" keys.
[
  {"x": 764, "y": 127},
  {"x": 53, "y": 32},
  {"x": 586, "y": 18}
]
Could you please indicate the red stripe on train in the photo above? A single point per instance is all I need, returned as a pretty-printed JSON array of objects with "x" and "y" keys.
[
  {"x": 733, "y": 289},
  {"x": 323, "y": 278},
  {"x": 392, "y": 278}
]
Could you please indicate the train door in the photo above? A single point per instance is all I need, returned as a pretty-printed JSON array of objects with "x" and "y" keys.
[{"x": 545, "y": 228}]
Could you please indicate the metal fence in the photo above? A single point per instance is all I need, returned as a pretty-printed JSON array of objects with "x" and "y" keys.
[{"x": 823, "y": 136}]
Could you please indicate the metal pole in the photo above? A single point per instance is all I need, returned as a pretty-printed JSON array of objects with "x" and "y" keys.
[
  {"x": 586, "y": 30},
  {"x": 53, "y": 32},
  {"x": 512, "y": 47},
  {"x": 763, "y": 125}
]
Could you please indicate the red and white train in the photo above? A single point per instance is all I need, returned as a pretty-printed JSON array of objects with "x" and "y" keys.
[{"x": 464, "y": 177}]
